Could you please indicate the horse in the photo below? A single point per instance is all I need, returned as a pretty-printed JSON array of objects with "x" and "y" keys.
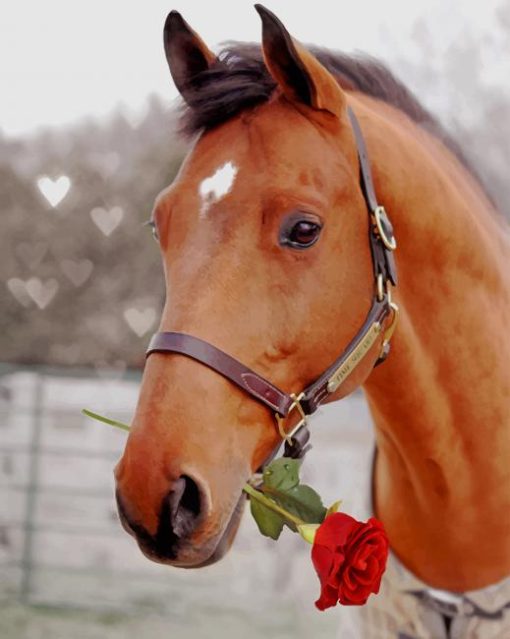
[{"x": 263, "y": 236}]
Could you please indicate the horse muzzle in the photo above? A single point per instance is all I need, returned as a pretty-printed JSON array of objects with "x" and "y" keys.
[{"x": 185, "y": 536}]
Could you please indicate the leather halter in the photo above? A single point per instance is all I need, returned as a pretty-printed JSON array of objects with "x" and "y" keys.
[{"x": 382, "y": 244}]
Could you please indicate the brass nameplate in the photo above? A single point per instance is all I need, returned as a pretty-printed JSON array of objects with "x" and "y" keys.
[{"x": 346, "y": 368}]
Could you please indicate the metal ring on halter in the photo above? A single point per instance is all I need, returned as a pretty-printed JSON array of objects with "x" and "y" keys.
[
  {"x": 384, "y": 228},
  {"x": 281, "y": 420}
]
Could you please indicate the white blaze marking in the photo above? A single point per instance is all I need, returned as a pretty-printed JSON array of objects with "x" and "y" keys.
[{"x": 215, "y": 187}]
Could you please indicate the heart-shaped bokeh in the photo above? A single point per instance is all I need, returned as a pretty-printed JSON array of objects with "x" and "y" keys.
[
  {"x": 54, "y": 190},
  {"x": 140, "y": 321},
  {"x": 77, "y": 271},
  {"x": 34, "y": 289},
  {"x": 32, "y": 253},
  {"x": 107, "y": 220}
]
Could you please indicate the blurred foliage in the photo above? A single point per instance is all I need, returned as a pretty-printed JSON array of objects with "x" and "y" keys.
[
  {"x": 113, "y": 164},
  {"x": 466, "y": 82},
  {"x": 73, "y": 294}
]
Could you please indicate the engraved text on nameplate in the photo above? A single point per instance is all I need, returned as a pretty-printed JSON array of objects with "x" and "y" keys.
[{"x": 346, "y": 368}]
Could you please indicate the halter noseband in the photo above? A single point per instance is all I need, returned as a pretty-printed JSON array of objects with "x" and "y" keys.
[{"x": 382, "y": 244}]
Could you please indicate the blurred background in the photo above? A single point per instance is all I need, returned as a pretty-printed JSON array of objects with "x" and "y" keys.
[{"x": 88, "y": 137}]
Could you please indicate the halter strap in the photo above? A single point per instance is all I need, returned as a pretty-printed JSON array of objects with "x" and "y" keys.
[
  {"x": 381, "y": 237},
  {"x": 247, "y": 380},
  {"x": 382, "y": 244},
  {"x": 260, "y": 388}
]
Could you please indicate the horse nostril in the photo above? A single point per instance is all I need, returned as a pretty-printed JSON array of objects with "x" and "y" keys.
[
  {"x": 178, "y": 518},
  {"x": 182, "y": 506}
]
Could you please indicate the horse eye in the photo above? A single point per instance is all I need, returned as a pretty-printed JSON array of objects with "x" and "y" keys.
[{"x": 300, "y": 233}]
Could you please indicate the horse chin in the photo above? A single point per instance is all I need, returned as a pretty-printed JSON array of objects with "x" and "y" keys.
[{"x": 225, "y": 540}]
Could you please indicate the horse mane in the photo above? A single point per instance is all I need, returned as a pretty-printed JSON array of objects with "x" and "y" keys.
[{"x": 239, "y": 80}]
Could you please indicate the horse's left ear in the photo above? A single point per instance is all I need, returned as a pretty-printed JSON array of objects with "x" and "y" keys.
[
  {"x": 186, "y": 52},
  {"x": 298, "y": 73}
]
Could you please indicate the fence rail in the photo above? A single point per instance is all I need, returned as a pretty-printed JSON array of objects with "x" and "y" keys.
[{"x": 32, "y": 473}]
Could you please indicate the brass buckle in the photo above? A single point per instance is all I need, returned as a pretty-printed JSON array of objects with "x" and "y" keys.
[
  {"x": 281, "y": 420},
  {"x": 388, "y": 333},
  {"x": 381, "y": 217}
]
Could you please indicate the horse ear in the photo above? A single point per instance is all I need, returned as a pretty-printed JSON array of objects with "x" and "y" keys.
[
  {"x": 186, "y": 53},
  {"x": 298, "y": 73}
]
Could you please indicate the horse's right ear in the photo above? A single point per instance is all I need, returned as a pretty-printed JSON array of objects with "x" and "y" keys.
[{"x": 186, "y": 53}]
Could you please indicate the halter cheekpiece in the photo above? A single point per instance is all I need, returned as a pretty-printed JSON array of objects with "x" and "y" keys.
[{"x": 382, "y": 245}]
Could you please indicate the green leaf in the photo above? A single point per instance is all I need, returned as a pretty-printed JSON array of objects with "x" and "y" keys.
[
  {"x": 300, "y": 500},
  {"x": 282, "y": 474},
  {"x": 334, "y": 507},
  {"x": 282, "y": 500},
  {"x": 269, "y": 523}
]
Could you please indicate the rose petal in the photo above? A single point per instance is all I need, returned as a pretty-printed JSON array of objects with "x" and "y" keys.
[
  {"x": 323, "y": 561},
  {"x": 335, "y": 530},
  {"x": 328, "y": 598}
]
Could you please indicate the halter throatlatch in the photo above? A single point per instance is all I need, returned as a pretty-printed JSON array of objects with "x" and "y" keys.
[{"x": 382, "y": 244}]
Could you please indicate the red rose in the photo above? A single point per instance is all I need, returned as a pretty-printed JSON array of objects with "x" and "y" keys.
[{"x": 349, "y": 557}]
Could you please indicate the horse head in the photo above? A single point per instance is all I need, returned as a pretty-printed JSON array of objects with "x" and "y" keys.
[{"x": 263, "y": 236}]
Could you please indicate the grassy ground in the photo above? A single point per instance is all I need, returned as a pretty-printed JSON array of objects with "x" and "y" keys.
[{"x": 33, "y": 622}]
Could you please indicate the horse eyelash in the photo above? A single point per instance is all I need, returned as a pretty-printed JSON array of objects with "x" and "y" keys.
[{"x": 152, "y": 225}]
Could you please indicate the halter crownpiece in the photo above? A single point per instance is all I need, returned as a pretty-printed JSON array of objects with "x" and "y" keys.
[{"x": 382, "y": 244}]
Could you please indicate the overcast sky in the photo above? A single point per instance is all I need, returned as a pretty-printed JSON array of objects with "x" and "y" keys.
[{"x": 61, "y": 60}]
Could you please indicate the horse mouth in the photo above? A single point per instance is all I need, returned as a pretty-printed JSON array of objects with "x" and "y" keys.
[
  {"x": 166, "y": 547},
  {"x": 227, "y": 537}
]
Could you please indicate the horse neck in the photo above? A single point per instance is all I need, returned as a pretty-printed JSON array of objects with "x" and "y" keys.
[{"x": 441, "y": 402}]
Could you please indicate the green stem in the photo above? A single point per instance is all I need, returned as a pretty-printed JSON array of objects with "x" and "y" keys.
[
  {"x": 269, "y": 503},
  {"x": 105, "y": 420}
]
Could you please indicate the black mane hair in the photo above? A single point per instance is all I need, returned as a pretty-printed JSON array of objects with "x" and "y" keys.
[{"x": 239, "y": 79}]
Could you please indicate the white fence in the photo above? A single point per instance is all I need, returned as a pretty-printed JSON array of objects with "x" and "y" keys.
[{"x": 61, "y": 544}]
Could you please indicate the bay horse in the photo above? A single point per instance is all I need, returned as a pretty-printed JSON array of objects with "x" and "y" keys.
[{"x": 263, "y": 236}]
